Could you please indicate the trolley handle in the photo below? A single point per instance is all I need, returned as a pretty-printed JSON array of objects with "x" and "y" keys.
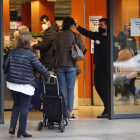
[
  {"x": 51, "y": 76},
  {"x": 57, "y": 82}
]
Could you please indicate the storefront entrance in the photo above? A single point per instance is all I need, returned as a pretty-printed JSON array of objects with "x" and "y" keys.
[{"x": 123, "y": 21}]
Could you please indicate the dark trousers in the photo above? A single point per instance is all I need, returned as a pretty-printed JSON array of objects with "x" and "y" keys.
[
  {"x": 129, "y": 85},
  {"x": 21, "y": 106},
  {"x": 101, "y": 85}
]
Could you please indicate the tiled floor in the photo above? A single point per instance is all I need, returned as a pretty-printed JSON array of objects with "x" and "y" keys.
[
  {"x": 83, "y": 113},
  {"x": 89, "y": 112},
  {"x": 121, "y": 107},
  {"x": 95, "y": 129},
  {"x": 86, "y": 127}
]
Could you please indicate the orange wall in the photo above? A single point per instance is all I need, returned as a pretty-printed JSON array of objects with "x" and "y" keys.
[
  {"x": 46, "y": 8},
  {"x": 39, "y": 8},
  {"x": 130, "y": 9},
  {"x": 6, "y": 15},
  {"x": 35, "y": 22},
  {"x": 92, "y": 8},
  {"x": 77, "y": 13},
  {"x": 125, "y": 10},
  {"x": 117, "y": 14},
  {"x": 26, "y": 14}
]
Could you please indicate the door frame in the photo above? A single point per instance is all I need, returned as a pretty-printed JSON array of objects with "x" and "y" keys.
[{"x": 1, "y": 69}]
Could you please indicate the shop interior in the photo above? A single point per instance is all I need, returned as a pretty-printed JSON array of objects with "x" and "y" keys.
[
  {"x": 87, "y": 104},
  {"x": 23, "y": 13}
]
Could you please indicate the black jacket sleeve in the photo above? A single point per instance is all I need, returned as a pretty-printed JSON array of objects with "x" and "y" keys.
[
  {"x": 86, "y": 33},
  {"x": 46, "y": 44},
  {"x": 38, "y": 66}
]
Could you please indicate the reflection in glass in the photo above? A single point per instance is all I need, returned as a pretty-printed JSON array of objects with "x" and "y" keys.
[{"x": 126, "y": 69}]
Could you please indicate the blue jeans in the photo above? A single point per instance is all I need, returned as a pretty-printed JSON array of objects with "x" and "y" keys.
[
  {"x": 22, "y": 104},
  {"x": 67, "y": 74}
]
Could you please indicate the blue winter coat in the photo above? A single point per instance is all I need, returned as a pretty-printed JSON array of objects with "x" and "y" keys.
[{"x": 21, "y": 66}]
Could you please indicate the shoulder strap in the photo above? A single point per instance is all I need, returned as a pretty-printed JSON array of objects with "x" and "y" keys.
[{"x": 74, "y": 37}]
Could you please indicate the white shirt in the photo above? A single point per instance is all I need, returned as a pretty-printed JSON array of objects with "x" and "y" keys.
[{"x": 23, "y": 88}]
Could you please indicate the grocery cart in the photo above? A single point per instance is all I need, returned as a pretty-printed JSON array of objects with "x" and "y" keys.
[{"x": 55, "y": 112}]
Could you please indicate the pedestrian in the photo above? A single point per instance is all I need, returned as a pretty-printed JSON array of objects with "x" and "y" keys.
[
  {"x": 63, "y": 63},
  {"x": 21, "y": 66},
  {"x": 20, "y": 30},
  {"x": 126, "y": 34},
  {"x": 100, "y": 60},
  {"x": 45, "y": 46}
]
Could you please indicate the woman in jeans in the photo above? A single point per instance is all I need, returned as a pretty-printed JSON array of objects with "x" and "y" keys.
[
  {"x": 21, "y": 65},
  {"x": 64, "y": 65}
]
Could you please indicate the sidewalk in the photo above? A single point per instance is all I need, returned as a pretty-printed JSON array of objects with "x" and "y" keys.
[{"x": 96, "y": 129}]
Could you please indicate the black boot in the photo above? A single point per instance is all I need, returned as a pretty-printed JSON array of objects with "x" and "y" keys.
[
  {"x": 23, "y": 134},
  {"x": 103, "y": 115},
  {"x": 11, "y": 130}
]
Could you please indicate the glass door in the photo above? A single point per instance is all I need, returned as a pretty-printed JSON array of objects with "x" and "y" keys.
[
  {"x": 124, "y": 73},
  {"x": 1, "y": 62}
]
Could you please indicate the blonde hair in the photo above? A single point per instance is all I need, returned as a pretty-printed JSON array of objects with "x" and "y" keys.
[
  {"x": 16, "y": 34},
  {"x": 22, "y": 29}
]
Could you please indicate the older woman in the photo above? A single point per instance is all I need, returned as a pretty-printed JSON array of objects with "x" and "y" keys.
[
  {"x": 21, "y": 65},
  {"x": 65, "y": 66}
]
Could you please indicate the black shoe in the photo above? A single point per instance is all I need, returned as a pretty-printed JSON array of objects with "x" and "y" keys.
[
  {"x": 24, "y": 135},
  {"x": 103, "y": 115},
  {"x": 71, "y": 117},
  {"x": 11, "y": 130}
]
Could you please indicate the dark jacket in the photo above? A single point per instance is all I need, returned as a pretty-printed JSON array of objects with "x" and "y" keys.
[
  {"x": 100, "y": 47},
  {"x": 131, "y": 41},
  {"x": 21, "y": 66},
  {"x": 45, "y": 46},
  {"x": 62, "y": 48}
]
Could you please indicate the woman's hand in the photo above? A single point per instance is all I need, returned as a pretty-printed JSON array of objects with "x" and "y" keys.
[{"x": 51, "y": 75}]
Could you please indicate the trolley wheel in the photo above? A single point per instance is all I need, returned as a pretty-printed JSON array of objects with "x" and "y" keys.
[
  {"x": 59, "y": 127},
  {"x": 44, "y": 123},
  {"x": 40, "y": 124},
  {"x": 62, "y": 127}
]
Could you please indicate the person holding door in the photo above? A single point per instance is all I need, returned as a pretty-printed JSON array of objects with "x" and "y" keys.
[{"x": 100, "y": 60}]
